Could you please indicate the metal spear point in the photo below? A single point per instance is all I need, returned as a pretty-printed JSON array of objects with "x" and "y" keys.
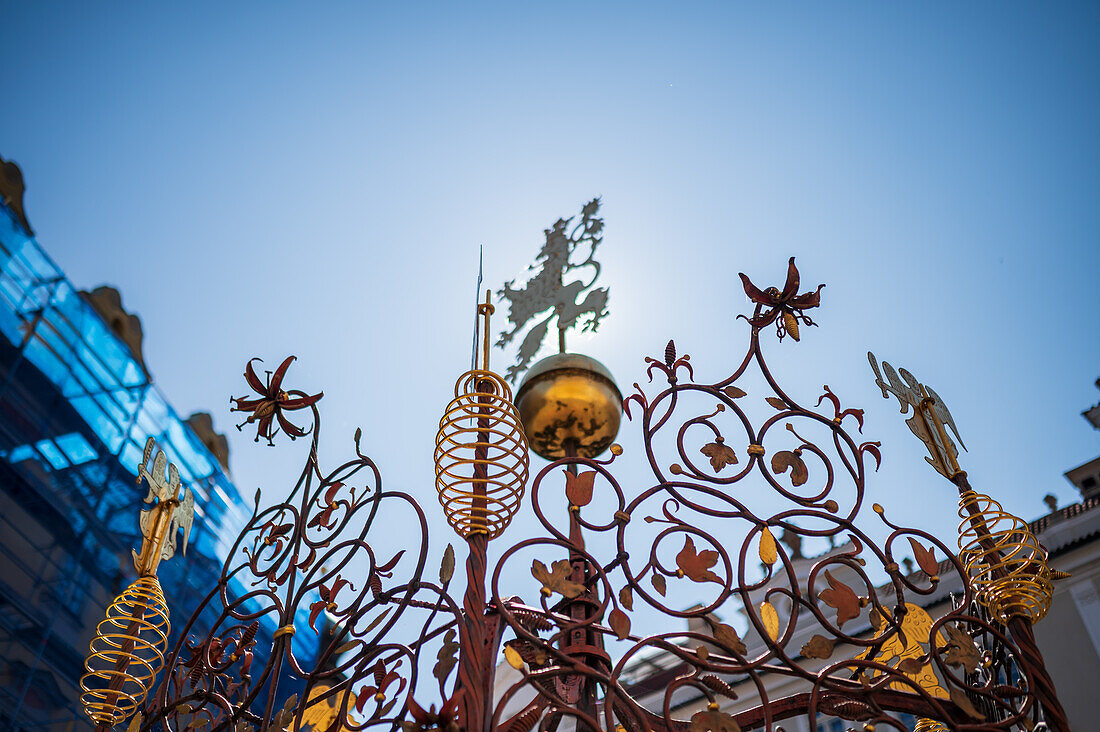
[{"x": 930, "y": 415}]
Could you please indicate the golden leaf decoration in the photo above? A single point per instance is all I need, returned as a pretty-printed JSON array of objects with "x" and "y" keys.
[
  {"x": 511, "y": 655},
  {"x": 777, "y": 403},
  {"x": 446, "y": 657},
  {"x": 733, "y": 392},
  {"x": 768, "y": 550},
  {"x": 702, "y": 652},
  {"x": 374, "y": 623},
  {"x": 770, "y": 618}
]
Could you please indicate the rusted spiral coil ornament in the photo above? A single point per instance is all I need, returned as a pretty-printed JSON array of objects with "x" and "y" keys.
[
  {"x": 126, "y": 653},
  {"x": 481, "y": 458},
  {"x": 1005, "y": 561}
]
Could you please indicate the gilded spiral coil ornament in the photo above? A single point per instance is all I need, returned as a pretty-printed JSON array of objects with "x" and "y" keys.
[
  {"x": 126, "y": 653},
  {"x": 481, "y": 458},
  {"x": 929, "y": 725},
  {"x": 1004, "y": 559}
]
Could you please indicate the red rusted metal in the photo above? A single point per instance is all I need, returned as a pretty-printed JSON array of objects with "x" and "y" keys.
[{"x": 702, "y": 460}]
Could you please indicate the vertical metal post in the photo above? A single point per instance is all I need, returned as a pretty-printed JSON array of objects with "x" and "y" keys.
[
  {"x": 581, "y": 641},
  {"x": 475, "y": 668}
]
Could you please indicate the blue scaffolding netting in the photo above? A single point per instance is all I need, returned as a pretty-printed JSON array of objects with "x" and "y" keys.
[{"x": 76, "y": 408}]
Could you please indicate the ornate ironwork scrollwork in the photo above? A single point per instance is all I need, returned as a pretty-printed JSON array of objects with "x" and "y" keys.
[{"x": 847, "y": 626}]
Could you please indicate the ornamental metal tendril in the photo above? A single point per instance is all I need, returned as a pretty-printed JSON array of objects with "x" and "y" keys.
[{"x": 603, "y": 553}]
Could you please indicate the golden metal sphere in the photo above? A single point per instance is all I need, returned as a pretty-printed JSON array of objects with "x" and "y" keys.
[
  {"x": 569, "y": 397},
  {"x": 126, "y": 653},
  {"x": 481, "y": 459}
]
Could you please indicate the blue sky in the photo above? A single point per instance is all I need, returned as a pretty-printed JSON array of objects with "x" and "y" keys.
[{"x": 267, "y": 179}]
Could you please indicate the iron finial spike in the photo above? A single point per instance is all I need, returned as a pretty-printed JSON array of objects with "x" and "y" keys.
[
  {"x": 930, "y": 415},
  {"x": 477, "y": 295}
]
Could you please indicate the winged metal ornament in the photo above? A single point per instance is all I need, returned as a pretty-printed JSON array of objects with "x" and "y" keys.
[
  {"x": 164, "y": 488},
  {"x": 548, "y": 292},
  {"x": 930, "y": 415}
]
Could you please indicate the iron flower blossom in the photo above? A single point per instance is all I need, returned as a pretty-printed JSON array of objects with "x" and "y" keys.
[
  {"x": 785, "y": 308},
  {"x": 272, "y": 403}
]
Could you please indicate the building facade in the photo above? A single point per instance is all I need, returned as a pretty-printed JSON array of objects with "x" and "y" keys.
[{"x": 76, "y": 407}]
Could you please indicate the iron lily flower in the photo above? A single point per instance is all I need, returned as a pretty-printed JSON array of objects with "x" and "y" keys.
[
  {"x": 273, "y": 401},
  {"x": 782, "y": 307},
  {"x": 445, "y": 720}
]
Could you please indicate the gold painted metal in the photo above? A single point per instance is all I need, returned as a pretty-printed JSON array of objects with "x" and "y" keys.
[
  {"x": 916, "y": 629},
  {"x": 321, "y": 715},
  {"x": 126, "y": 653},
  {"x": 569, "y": 398},
  {"x": 1005, "y": 561},
  {"x": 481, "y": 458},
  {"x": 930, "y": 414},
  {"x": 929, "y": 725},
  {"x": 128, "y": 648}
]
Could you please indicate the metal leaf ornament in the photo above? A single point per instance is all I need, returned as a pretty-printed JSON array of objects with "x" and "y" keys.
[
  {"x": 578, "y": 488},
  {"x": 961, "y": 650},
  {"x": 619, "y": 623},
  {"x": 842, "y": 598},
  {"x": 926, "y": 559},
  {"x": 696, "y": 565},
  {"x": 713, "y": 720},
  {"x": 818, "y": 647},
  {"x": 728, "y": 637},
  {"x": 720, "y": 454},
  {"x": 556, "y": 579},
  {"x": 786, "y": 459}
]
